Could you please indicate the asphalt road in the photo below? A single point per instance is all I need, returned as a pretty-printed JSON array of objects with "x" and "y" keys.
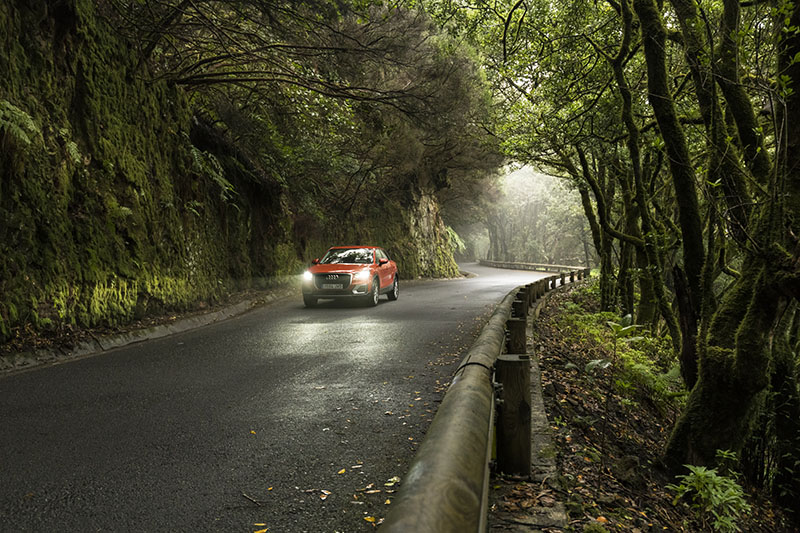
[{"x": 284, "y": 419}]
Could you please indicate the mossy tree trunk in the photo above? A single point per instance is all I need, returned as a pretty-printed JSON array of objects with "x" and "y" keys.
[
  {"x": 785, "y": 403},
  {"x": 735, "y": 354},
  {"x": 680, "y": 164},
  {"x": 635, "y": 198},
  {"x": 733, "y": 372}
]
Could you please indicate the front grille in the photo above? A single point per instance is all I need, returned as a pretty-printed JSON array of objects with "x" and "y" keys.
[{"x": 331, "y": 279}]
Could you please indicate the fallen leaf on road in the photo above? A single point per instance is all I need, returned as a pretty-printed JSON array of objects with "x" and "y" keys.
[
  {"x": 342, "y": 471},
  {"x": 370, "y": 519},
  {"x": 392, "y": 481}
]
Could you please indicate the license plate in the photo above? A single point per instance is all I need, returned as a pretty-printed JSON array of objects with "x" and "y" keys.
[{"x": 332, "y": 286}]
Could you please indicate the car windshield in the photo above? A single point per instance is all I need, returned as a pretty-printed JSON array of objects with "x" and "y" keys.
[{"x": 352, "y": 256}]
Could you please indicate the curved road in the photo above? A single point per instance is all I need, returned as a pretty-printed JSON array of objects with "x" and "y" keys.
[{"x": 285, "y": 419}]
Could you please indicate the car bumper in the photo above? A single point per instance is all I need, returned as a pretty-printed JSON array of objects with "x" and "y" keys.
[{"x": 352, "y": 291}]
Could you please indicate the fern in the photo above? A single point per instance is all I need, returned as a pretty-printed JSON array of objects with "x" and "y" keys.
[
  {"x": 208, "y": 165},
  {"x": 70, "y": 146},
  {"x": 17, "y": 123},
  {"x": 73, "y": 152}
]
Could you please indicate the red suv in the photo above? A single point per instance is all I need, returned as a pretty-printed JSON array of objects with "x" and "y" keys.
[{"x": 363, "y": 272}]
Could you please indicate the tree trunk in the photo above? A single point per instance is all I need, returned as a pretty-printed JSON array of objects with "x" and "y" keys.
[
  {"x": 732, "y": 373},
  {"x": 724, "y": 166},
  {"x": 646, "y": 310},
  {"x": 688, "y": 323},
  {"x": 682, "y": 170},
  {"x": 726, "y": 72},
  {"x": 786, "y": 404}
]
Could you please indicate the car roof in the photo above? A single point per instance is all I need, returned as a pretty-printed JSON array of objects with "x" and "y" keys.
[{"x": 354, "y": 246}]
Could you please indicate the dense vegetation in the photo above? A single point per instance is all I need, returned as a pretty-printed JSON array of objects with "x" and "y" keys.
[
  {"x": 676, "y": 122},
  {"x": 160, "y": 154},
  {"x": 611, "y": 394}
]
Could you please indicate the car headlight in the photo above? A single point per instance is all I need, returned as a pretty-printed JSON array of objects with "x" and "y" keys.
[
  {"x": 362, "y": 276},
  {"x": 307, "y": 276}
]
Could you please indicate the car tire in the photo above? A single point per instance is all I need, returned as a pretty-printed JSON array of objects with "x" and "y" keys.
[
  {"x": 395, "y": 292},
  {"x": 375, "y": 293},
  {"x": 310, "y": 301}
]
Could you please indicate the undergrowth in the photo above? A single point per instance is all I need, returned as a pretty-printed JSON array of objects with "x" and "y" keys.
[
  {"x": 645, "y": 362},
  {"x": 612, "y": 394}
]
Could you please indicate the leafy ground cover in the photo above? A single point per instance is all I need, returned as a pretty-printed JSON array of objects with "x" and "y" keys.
[{"x": 612, "y": 394}]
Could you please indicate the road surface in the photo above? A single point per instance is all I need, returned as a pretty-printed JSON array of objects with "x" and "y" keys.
[{"x": 284, "y": 419}]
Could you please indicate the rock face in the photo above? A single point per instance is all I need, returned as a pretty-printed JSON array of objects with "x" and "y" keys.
[
  {"x": 116, "y": 203},
  {"x": 433, "y": 254}
]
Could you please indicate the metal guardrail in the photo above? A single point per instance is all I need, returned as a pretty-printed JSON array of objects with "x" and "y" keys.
[
  {"x": 446, "y": 487},
  {"x": 534, "y": 266},
  {"x": 445, "y": 490}
]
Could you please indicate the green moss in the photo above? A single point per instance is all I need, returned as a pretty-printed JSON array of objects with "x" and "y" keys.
[{"x": 89, "y": 229}]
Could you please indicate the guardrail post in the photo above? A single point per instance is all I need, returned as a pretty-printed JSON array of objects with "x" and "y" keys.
[
  {"x": 563, "y": 277},
  {"x": 517, "y": 340},
  {"x": 572, "y": 276},
  {"x": 513, "y": 371},
  {"x": 519, "y": 309}
]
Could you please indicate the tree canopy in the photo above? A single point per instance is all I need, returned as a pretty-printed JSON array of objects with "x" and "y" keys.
[{"x": 674, "y": 120}]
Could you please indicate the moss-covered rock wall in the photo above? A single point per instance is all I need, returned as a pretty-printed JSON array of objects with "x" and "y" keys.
[{"x": 108, "y": 211}]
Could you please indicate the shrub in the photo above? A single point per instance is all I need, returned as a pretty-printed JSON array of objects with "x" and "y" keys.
[{"x": 717, "y": 500}]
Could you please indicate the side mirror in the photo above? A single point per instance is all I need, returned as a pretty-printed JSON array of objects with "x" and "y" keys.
[
  {"x": 382, "y": 261},
  {"x": 315, "y": 261}
]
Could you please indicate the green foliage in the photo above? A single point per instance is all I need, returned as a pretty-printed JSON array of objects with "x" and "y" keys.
[
  {"x": 530, "y": 217},
  {"x": 18, "y": 124},
  {"x": 456, "y": 244},
  {"x": 624, "y": 329},
  {"x": 642, "y": 362},
  {"x": 716, "y": 499},
  {"x": 208, "y": 165}
]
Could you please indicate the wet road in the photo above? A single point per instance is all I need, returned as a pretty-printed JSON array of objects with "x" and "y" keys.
[{"x": 285, "y": 418}]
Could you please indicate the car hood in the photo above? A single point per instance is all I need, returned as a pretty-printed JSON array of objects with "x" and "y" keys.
[{"x": 336, "y": 268}]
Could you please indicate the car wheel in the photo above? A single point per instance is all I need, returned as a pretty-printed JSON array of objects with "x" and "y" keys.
[
  {"x": 395, "y": 292},
  {"x": 310, "y": 301},
  {"x": 372, "y": 298}
]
